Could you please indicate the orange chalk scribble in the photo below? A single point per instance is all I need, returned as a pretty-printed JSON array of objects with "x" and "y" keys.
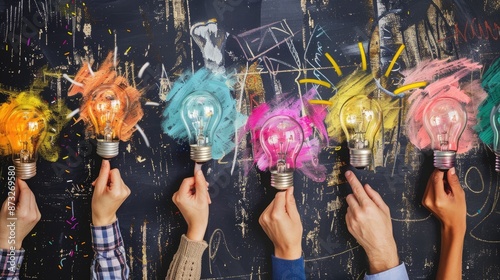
[{"x": 88, "y": 83}]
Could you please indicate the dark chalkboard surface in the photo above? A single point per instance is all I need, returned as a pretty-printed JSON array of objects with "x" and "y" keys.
[{"x": 292, "y": 38}]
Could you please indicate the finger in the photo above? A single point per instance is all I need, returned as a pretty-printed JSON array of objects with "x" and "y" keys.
[
  {"x": 357, "y": 188},
  {"x": 352, "y": 201},
  {"x": 375, "y": 197},
  {"x": 186, "y": 185},
  {"x": 264, "y": 217},
  {"x": 291, "y": 205},
  {"x": 200, "y": 182},
  {"x": 115, "y": 179},
  {"x": 102, "y": 179}
]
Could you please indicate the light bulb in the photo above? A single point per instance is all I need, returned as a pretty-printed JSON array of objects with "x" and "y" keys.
[
  {"x": 108, "y": 107},
  {"x": 281, "y": 138},
  {"x": 495, "y": 126},
  {"x": 25, "y": 128},
  {"x": 360, "y": 118},
  {"x": 201, "y": 113},
  {"x": 444, "y": 121}
]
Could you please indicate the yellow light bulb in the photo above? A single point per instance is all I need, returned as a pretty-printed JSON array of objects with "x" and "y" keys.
[
  {"x": 25, "y": 129},
  {"x": 108, "y": 107},
  {"x": 360, "y": 118}
]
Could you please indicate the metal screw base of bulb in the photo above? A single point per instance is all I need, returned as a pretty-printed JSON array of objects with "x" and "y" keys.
[
  {"x": 282, "y": 181},
  {"x": 497, "y": 163},
  {"x": 444, "y": 160},
  {"x": 107, "y": 149},
  {"x": 360, "y": 158},
  {"x": 25, "y": 170},
  {"x": 200, "y": 154}
]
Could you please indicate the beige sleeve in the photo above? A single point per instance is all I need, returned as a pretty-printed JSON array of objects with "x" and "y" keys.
[{"x": 186, "y": 264}]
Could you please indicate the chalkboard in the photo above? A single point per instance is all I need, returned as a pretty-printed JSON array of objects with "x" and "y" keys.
[{"x": 277, "y": 43}]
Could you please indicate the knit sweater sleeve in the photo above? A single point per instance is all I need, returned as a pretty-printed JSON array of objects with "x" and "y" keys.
[{"x": 186, "y": 264}]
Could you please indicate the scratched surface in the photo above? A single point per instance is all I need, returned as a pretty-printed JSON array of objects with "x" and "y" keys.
[{"x": 270, "y": 46}]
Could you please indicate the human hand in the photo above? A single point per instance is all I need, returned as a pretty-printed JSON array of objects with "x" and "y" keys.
[
  {"x": 445, "y": 198},
  {"x": 369, "y": 221},
  {"x": 26, "y": 214},
  {"x": 281, "y": 222},
  {"x": 193, "y": 199},
  {"x": 109, "y": 193}
]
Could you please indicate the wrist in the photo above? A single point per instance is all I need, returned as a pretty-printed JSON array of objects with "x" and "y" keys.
[
  {"x": 103, "y": 221},
  {"x": 195, "y": 234},
  {"x": 455, "y": 230},
  {"x": 382, "y": 261},
  {"x": 290, "y": 253}
]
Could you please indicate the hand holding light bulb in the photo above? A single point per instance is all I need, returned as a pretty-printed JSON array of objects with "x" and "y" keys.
[
  {"x": 360, "y": 118},
  {"x": 281, "y": 138},
  {"x": 107, "y": 109},
  {"x": 444, "y": 121},
  {"x": 201, "y": 113},
  {"x": 25, "y": 129}
]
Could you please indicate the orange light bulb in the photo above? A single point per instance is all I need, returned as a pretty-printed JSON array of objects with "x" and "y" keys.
[
  {"x": 25, "y": 129},
  {"x": 108, "y": 107}
]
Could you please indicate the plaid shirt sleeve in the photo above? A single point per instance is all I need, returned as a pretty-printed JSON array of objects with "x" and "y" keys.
[
  {"x": 109, "y": 253},
  {"x": 10, "y": 263}
]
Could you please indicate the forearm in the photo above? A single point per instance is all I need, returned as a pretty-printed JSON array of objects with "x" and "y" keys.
[
  {"x": 186, "y": 264},
  {"x": 109, "y": 253},
  {"x": 450, "y": 261}
]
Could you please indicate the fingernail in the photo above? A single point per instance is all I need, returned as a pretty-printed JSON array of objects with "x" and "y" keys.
[
  {"x": 199, "y": 172},
  {"x": 452, "y": 171},
  {"x": 348, "y": 173}
]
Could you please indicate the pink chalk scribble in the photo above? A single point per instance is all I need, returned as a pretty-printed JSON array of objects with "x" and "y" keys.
[
  {"x": 312, "y": 124},
  {"x": 445, "y": 80}
]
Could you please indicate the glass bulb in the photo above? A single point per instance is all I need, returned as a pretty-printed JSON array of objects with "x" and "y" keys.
[
  {"x": 281, "y": 138},
  {"x": 444, "y": 121},
  {"x": 108, "y": 107},
  {"x": 25, "y": 128},
  {"x": 495, "y": 126},
  {"x": 360, "y": 118},
  {"x": 201, "y": 113}
]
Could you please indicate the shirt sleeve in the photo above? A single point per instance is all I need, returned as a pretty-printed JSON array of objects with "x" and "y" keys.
[
  {"x": 398, "y": 272},
  {"x": 186, "y": 264},
  {"x": 288, "y": 269},
  {"x": 10, "y": 263},
  {"x": 110, "y": 260}
]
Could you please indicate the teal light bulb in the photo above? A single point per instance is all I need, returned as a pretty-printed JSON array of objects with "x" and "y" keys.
[{"x": 201, "y": 113}]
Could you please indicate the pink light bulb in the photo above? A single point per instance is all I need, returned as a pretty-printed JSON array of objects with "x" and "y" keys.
[
  {"x": 444, "y": 121},
  {"x": 281, "y": 138}
]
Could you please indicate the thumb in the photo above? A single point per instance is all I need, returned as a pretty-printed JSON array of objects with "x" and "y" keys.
[
  {"x": 291, "y": 205},
  {"x": 23, "y": 194},
  {"x": 453, "y": 181},
  {"x": 21, "y": 187},
  {"x": 200, "y": 183},
  {"x": 102, "y": 179}
]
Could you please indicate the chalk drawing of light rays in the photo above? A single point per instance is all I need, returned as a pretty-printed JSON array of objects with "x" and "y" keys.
[{"x": 214, "y": 243}]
